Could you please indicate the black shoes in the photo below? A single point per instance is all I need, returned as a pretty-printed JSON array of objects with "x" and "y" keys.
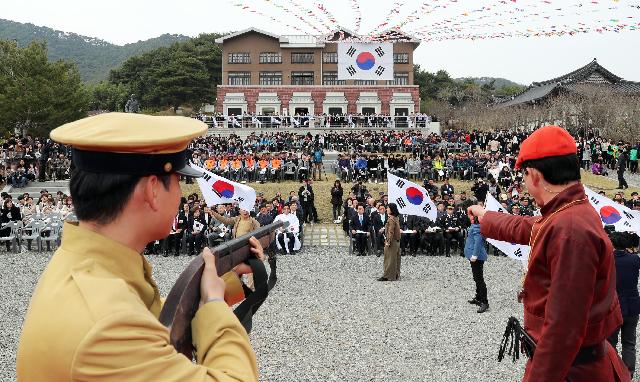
[
  {"x": 474, "y": 301},
  {"x": 383, "y": 279},
  {"x": 483, "y": 307}
]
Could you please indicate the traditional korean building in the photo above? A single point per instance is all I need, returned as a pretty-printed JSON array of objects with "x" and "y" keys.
[{"x": 592, "y": 74}]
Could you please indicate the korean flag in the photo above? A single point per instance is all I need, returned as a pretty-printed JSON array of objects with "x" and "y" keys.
[
  {"x": 365, "y": 61},
  {"x": 410, "y": 198}
]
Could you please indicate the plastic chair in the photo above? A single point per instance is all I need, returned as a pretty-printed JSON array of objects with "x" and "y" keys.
[
  {"x": 290, "y": 169},
  {"x": 13, "y": 235},
  {"x": 54, "y": 228},
  {"x": 35, "y": 228}
]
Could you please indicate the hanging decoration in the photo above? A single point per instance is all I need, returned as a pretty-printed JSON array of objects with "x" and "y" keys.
[
  {"x": 442, "y": 20},
  {"x": 243, "y": 6},
  {"x": 355, "y": 7},
  {"x": 303, "y": 14}
]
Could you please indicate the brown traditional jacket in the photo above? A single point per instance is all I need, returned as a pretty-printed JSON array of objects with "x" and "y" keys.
[
  {"x": 392, "y": 229},
  {"x": 569, "y": 291}
]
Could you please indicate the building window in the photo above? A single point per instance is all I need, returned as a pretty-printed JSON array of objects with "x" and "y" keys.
[
  {"x": 330, "y": 58},
  {"x": 239, "y": 78},
  {"x": 365, "y": 82},
  {"x": 399, "y": 79},
  {"x": 302, "y": 58},
  {"x": 271, "y": 58},
  {"x": 301, "y": 78},
  {"x": 239, "y": 58},
  {"x": 331, "y": 78},
  {"x": 270, "y": 78},
  {"x": 401, "y": 58}
]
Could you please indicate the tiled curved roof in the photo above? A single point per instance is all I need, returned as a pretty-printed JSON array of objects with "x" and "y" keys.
[{"x": 590, "y": 74}]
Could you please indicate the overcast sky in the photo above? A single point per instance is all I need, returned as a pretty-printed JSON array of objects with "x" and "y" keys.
[{"x": 520, "y": 59}]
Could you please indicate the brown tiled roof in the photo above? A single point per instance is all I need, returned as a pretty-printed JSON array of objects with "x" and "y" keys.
[{"x": 590, "y": 74}]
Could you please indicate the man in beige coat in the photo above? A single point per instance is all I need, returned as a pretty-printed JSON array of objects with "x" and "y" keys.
[{"x": 94, "y": 313}]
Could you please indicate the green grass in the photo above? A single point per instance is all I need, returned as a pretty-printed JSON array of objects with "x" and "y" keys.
[{"x": 322, "y": 190}]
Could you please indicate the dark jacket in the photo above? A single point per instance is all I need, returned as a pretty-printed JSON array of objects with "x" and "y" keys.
[
  {"x": 376, "y": 221},
  {"x": 355, "y": 223},
  {"x": 306, "y": 197},
  {"x": 627, "y": 270},
  {"x": 11, "y": 214},
  {"x": 336, "y": 196}
]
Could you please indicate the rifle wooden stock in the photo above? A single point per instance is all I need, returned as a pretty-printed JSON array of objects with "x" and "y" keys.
[{"x": 184, "y": 298}]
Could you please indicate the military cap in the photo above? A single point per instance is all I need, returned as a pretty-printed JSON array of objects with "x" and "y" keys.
[{"x": 134, "y": 144}]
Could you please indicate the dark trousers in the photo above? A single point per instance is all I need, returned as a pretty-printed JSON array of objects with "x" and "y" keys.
[
  {"x": 174, "y": 242},
  {"x": 633, "y": 166},
  {"x": 309, "y": 213},
  {"x": 628, "y": 329},
  {"x": 449, "y": 237},
  {"x": 621, "y": 181},
  {"x": 195, "y": 242},
  {"x": 410, "y": 240},
  {"x": 478, "y": 276},
  {"x": 361, "y": 242},
  {"x": 286, "y": 248},
  {"x": 433, "y": 242},
  {"x": 336, "y": 211}
]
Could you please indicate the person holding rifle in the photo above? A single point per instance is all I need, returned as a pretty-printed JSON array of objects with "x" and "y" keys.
[
  {"x": 94, "y": 313},
  {"x": 569, "y": 291}
]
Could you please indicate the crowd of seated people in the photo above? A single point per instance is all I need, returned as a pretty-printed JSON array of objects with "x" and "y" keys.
[
  {"x": 26, "y": 159},
  {"x": 250, "y": 120},
  {"x": 197, "y": 225},
  {"x": 25, "y": 210}
]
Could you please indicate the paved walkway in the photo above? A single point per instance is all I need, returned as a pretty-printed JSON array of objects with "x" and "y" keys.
[{"x": 325, "y": 235}]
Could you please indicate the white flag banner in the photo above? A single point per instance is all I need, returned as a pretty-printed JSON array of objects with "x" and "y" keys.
[
  {"x": 514, "y": 251},
  {"x": 612, "y": 213},
  {"x": 365, "y": 61},
  {"x": 410, "y": 198},
  {"x": 218, "y": 190}
]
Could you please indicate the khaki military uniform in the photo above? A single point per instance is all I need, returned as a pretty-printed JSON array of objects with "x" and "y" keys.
[{"x": 94, "y": 317}]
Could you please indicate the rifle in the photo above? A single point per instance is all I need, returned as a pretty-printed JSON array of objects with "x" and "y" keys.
[{"x": 184, "y": 298}]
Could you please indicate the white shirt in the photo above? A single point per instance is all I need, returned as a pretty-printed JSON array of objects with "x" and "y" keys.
[{"x": 294, "y": 223}]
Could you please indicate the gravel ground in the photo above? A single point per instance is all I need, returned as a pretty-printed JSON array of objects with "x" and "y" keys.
[{"x": 329, "y": 320}]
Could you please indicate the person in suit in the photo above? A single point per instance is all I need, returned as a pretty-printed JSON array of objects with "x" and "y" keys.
[
  {"x": 410, "y": 225},
  {"x": 196, "y": 226},
  {"x": 359, "y": 226},
  {"x": 452, "y": 229},
  {"x": 378, "y": 220},
  {"x": 627, "y": 271},
  {"x": 174, "y": 240},
  {"x": 391, "y": 245},
  {"x": 432, "y": 239},
  {"x": 305, "y": 193},
  {"x": 264, "y": 217}
]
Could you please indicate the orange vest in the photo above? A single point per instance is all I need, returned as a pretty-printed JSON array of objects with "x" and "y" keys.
[
  {"x": 250, "y": 163},
  {"x": 209, "y": 164},
  {"x": 263, "y": 163},
  {"x": 275, "y": 163},
  {"x": 223, "y": 163},
  {"x": 236, "y": 164}
]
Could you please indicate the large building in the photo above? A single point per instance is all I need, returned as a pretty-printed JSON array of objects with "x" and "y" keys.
[{"x": 266, "y": 74}]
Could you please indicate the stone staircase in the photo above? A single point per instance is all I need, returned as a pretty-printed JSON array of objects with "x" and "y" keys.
[
  {"x": 34, "y": 188},
  {"x": 325, "y": 235}
]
